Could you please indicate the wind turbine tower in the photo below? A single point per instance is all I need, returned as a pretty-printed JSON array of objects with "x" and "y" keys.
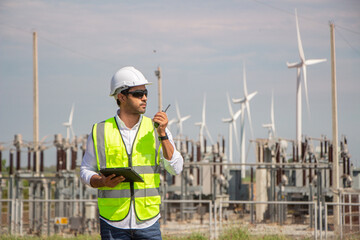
[
  {"x": 179, "y": 122},
  {"x": 69, "y": 128},
  {"x": 301, "y": 66},
  {"x": 68, "y": 125},
  {"x": 232, "y": 125},
  {"x": 244, "y": 104},
  {"x": 203, "y": 127},
  {"x": 271, "y": 126}
]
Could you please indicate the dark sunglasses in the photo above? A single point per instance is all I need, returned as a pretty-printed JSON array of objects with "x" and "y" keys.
[{"x": 139, "y": 93}]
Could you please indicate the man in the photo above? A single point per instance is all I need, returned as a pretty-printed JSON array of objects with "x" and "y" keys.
[{"x": 130, "y": 210}]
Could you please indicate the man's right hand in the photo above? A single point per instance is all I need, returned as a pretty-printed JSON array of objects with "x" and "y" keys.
[{"x": 97, "y": 181}]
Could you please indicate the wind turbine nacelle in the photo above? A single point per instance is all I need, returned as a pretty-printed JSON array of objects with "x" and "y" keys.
[
  {"x": 239, "y": 100},
  {"x": 294, "y": 65}
]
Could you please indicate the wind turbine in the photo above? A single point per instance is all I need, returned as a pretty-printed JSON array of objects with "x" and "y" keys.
[
  {"x": 232, "y": 124},
  {"x": 301, "y": 66},
  {"x": 271, "y": 126},
  {"x": 179, "y": 122},
  {"x": 171, "y": 122},
  {"x": 203, "y": 126},
  {"x": 245, "y": 104},
  {"x": 68, "y": 124}
]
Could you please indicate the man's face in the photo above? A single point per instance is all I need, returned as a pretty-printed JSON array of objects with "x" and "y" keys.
[{"x": 136, "y": 103}]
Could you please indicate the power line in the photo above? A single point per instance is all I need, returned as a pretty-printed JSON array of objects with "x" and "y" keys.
[
  {"x": 276, "y": 8},
  {"x": 74, "y": 51},
  {"x": 15, "y": 27},
  {"x": 306, "y": 18},
  {"x": 347, "y": 29},
  {"x": 55, "y": 43},
  {"x": 347, "y": 42}
]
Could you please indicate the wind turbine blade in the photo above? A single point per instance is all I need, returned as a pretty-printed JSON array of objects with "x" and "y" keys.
[
  {"x": 72, "y": 132},
  {"x": 249, "y": 118},
  {"x": 237, "y": 114},
  {"x": 177, "y": 110},
  {"x": 185, "y": 118},
  {"x": 236, "y": 137},
  {"x": 251, "y": 95},
  {"x": 244, "y": 77},
  {"x": 301, "y": 50},
  {"x": 294, "y": 65},
  {"x": 272, "y": 107},
  {"x": 239, "y": 100},
  {"x": 229, "y": 105},
  {"x": 226, "y": 120},
  {"x": 208, "y": 133},
  {"x": 203, "y": 110},
  {"x": 272, "y": 113},
  {"x": 314, "y": 61},
  {"x": 71, "y": 114},
  {"x": 306, "y": 89},
  {"x": 171, "y": 122}
]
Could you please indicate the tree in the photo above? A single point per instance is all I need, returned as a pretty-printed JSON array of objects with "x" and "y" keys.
[{"x": 3, "y": 164}]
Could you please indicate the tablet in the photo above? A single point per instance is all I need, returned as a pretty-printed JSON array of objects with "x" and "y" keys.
[{"x": 128, "y": 173}]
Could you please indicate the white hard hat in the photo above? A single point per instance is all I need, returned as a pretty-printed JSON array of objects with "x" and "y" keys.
[{"x": 127, "y": 77}]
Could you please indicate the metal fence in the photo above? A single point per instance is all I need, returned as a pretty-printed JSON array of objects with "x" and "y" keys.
[
  {"x": 19, "y": 217},
  {"x": 353, "y": 227},
  {"x": 15, "y": 216},
  {"x": 275, "y": 203}
]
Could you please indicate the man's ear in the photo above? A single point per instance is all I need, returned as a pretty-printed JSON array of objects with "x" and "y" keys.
[{"x": 121, "y": 97}]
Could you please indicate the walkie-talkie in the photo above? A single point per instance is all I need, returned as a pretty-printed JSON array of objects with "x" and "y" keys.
[{"x": 157, "y": 124}]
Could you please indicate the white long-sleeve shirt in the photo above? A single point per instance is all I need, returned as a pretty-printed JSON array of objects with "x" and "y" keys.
[{"x": 89, "y": 168}]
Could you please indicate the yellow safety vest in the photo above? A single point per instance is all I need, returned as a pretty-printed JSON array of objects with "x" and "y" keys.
[{"x": 114, "y": 203}]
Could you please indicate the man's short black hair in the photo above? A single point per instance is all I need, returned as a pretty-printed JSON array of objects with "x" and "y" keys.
[{"x": 125, "y": 92}]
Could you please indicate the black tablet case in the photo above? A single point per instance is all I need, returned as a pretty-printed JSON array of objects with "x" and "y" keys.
[{"x": 128, "y": 173}]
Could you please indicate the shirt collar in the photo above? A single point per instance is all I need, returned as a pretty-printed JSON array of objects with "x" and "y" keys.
[{"x": 122, "y": 125}]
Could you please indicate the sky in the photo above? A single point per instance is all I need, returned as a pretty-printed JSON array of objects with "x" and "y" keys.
[{"x": 201, "y": 47}]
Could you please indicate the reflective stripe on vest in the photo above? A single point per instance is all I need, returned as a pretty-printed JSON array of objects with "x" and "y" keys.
[
  {"x": 125, "y": 193},
  {"x": 110, "y": 151}
]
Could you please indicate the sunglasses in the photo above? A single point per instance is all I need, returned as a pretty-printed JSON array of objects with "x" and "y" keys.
[{"x": 139, "y": 93}]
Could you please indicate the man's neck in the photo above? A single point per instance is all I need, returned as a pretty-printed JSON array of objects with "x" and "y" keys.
[{"x": 130, "y": 120}]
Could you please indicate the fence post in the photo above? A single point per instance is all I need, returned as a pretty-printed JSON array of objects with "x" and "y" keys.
[
  {"x": 49, "y": 208},
  {"x": 326, "y": 224},
  {"x": 210, "y": 220},
  {"x": 341, "y": 221},
  {"x": 315, "y": 236},
  {"x": 350, "y": 213},
  {"x": 215, "y": 220},
  {"x": 220, "y": 215},
  {"x": 320, "y": 218}
]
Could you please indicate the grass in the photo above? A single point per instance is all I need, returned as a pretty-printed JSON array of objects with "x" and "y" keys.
[
  {"x": 229, "y": 234},
  {"x": 54, "y": 237}
]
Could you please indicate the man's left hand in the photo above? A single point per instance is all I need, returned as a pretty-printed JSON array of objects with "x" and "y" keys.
[{"x": 162, "y": 120}]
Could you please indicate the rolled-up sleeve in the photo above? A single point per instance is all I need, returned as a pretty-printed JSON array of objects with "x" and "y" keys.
[
  {"x": 88, "y": 165},
  {"x": 175, "y": 165}
]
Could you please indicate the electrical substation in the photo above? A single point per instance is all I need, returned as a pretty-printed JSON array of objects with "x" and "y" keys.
[{"x": 47, "y": 203}]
